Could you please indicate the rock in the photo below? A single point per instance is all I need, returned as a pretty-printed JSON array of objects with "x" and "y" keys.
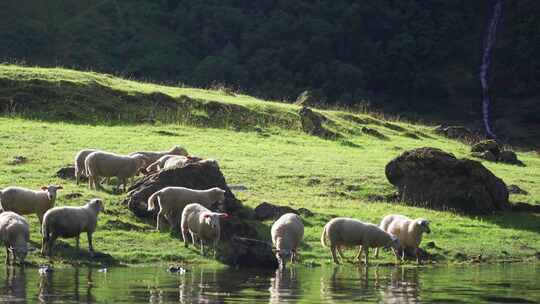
[
  {"x": 524, "y": 207},
  {"x": 431, "y": 244},
  {"x": 267, "y": 211},
  {"x": 246, "y": 252},
  {"x": 305, "y": 212},
  {"x": 432, "y": 178},
  {"x": 509, "y": 157},
  {"x": 312, "y": 124},
  {"x": 73, "y": 195},
  {"x": 17, "y": 160},
  {"x": 454, "y": 132},
  {"x": 487, "y": 145},
  {"x": 68, "y": 172},
  {"x": 199, "y": 175},
  {"x": 374, "y": 133},
  {"x": 515, "y": 189},
  {"x": 487, "y": 155}
]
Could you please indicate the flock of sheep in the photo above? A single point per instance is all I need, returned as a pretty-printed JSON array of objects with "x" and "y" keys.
[{"x": 186, "y": 207}]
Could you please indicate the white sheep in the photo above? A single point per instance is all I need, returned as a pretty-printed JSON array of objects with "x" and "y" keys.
[
  {"x": 172, "y": 200},
  {"x": 408, "y": 231},
  {"x": 153, "y": 156},
  {"x": 69, "y": 222},
  {"x": 104, "y": 164},
  {"x": 287, "y": 232},
  {"x": 169, "y": 161},
  {"x": 14, "y": 234},
  {"x": 26, "y": 201},
  {"x": 158, "y": 164},
  {"x": 352, "y": 232},
  {"x": 203, "y": 224},
  {"x": 79, "y": 163}
]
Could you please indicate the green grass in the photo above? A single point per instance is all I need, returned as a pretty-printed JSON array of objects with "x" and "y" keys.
[{"x": 277, "y": 162}]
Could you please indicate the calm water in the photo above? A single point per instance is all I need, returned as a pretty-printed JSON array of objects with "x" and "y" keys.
[{"x": 517, "y": 283}]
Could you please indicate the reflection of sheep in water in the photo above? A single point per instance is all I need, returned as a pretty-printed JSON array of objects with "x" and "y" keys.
[
  {"x": 408, "y": 231},
  {"x": 14, "y": 234},
  {"x": 284, "y": 286},
  {"x": 350, "y": 232},
  {"x": 70, "y": 222},
  {"x": 172, "y": 200}
]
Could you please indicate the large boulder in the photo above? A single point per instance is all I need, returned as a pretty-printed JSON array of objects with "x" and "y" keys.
[
  {"x": 312, "y": 123},
  {"x": 246, "y": 252},
  {"x": 198, "y": 175},
  {"x": 487, "y": 145},
  {"x": 432, "y": 178},
  {"x": 454, "y": 132},
  {"x": 266, "y": 211}
]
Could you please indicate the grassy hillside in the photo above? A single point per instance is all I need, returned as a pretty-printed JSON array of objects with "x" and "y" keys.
[{"x": 49, "y": 114}]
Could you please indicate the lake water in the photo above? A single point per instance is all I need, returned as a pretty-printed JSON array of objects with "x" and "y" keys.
[{"x": 508, "y": 283}]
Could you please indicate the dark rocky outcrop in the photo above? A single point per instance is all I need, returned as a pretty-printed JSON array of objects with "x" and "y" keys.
[
  {"x": 246, "y": 252},
  {"x": 524, "y": 207},
  {"x": 312, "y": 123},
  {"x": 266, "y": 211},
  {"x": 199, "y": 175},
  {"x": 432, "y": 178},
  {"x": 374, "y": 133},
  {"x": 454, "y": 132},
  {"x": 491, "y": 150},
  {"x": 68, "y": 172}
]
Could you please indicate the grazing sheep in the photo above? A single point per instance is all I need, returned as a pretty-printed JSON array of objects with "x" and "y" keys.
[
  {"x": 408, "y": 231},
  {"x": 153, "y": 156},
  {"x": 180, "y": 161},
  {"x": 79, "y": 163},
  {"x": 104, "y": 164},
  {"x": 352, "y": 232},
  {"x": 287, "y": 232},
  {"x": 172, "y": 201},
  {"x": 201, "y": 223},
  {"x": 26, "y": 201},
  {"x": 14, "y": 234},
  {"x": 69, "y": 222}
]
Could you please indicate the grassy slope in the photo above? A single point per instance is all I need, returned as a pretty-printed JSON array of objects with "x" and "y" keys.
[{"x": 280, "y": 165}]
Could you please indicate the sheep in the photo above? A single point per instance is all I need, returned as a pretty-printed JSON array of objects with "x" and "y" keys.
[
  {"x": 69, "y": 222},
  {"x": 153, "y": 156},
  {"x": 169, "y": 161},
  {"x": 26, "y": 201},
  {"x": 104, "y": 164},
  {"x": 79, "y": 163},
  {"x": 408, "y": 231},
  {"x": 351, "y": 232},
  {"x": 287, "y": 232},
  {"x": 172, "y": 201},
  {"x": 201, "y": 223},
  {"x": 14, "y": 234}
]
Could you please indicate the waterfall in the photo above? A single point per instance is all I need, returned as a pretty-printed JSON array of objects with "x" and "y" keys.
[{"x": 489, "y": 41}]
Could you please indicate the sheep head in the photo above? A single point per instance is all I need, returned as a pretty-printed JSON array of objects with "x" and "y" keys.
[
  {"x": 283, "y": 256},
  {"x": 19, "y": 250},
  {"x": 97, "y": 204},
  {"x": 212, "y": 218},
  {"x": 51, "y": 191},
  {"x": 424, "y": 225},
  {"x": 394, "y": 242}
]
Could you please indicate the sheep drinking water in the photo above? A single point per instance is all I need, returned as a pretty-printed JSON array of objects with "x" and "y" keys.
[{"x": 14, "y": 234}]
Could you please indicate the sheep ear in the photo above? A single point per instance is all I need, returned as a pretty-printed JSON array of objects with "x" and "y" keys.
[
  {"x": 59, "y": 187},
  {"x": 223, "y": 215},
  {"x": 44, "y": 188}
]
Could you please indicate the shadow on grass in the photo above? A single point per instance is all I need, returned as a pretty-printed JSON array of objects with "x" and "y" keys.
[
  {"x": 69, "y": 254},
  {"x": 514, "y": 220}
]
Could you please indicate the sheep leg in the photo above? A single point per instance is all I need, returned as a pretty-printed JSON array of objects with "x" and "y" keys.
[
  {"x": 215, "y": 247},
  {"x": 160, "y": 219},
  {"x": 366, "y": 252},
  {"x": 77, "y": 242},
  {"x": 377, "y": 252},
  {"x": 418, "y": 258},
  {"x": 334, "y": 256},
  {"x": 403, "y": 254},
  {"x": 202, "y": 246},
  {"x": 193, "y": 238},
  {"x": 340, "y": 253},
  {"x": 184, "y": 236},
  {"x": 90, "y": 247},
  {"x": 50, "y": 245},
  {"x": 359, "y": 254},
  {"x": 7, "y": 255}
]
